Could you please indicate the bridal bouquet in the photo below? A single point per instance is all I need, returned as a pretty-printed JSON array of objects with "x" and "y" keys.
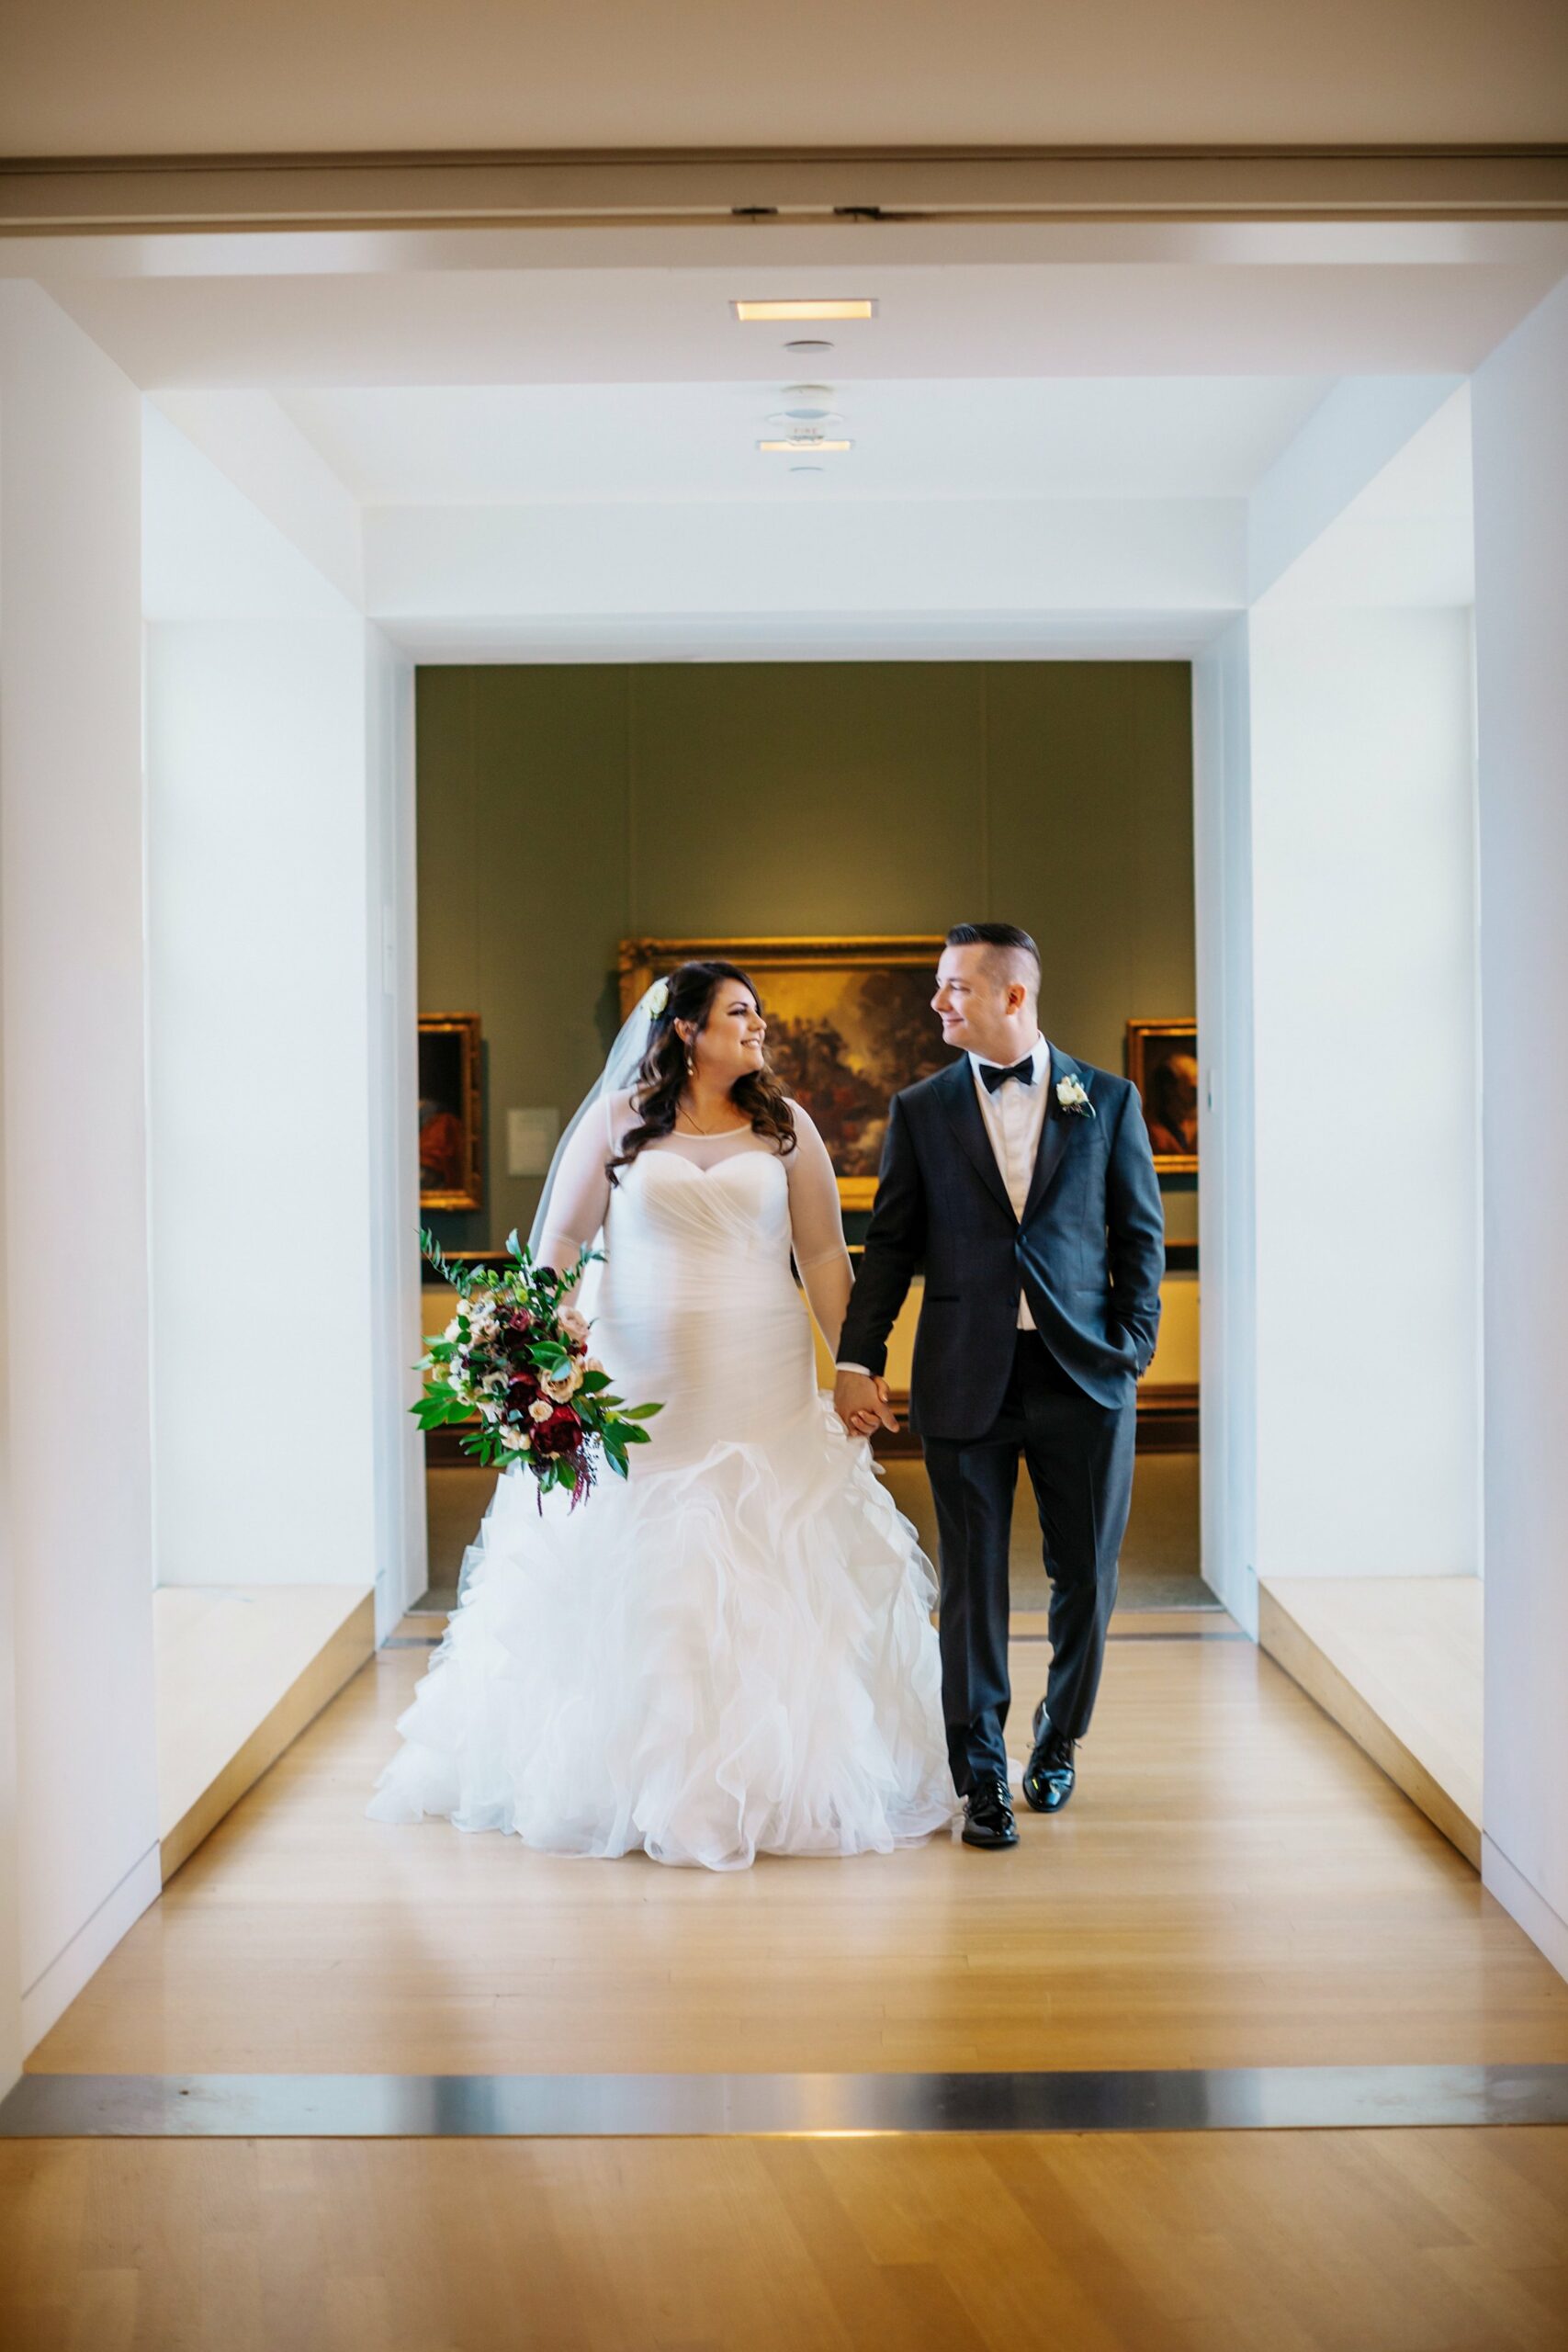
[{"x": 518, "y": 1359}]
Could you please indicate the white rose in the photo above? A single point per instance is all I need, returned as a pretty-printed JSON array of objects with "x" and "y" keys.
[
  {"x": 573, "y": 1323},
  {"x": 538, "y": 1411},
  {"x": 452, "y": 1330},
  {"x": 514, "y": 1438},
  {"x": 563, "y": 1385}
]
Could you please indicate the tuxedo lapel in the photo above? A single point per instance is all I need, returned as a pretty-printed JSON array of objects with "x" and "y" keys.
[
  {"x": 1053, "y": 1133},
  {"x": 956, "y": 1091}
]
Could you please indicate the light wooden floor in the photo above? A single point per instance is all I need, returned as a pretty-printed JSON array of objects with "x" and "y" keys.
[
  {"x": 1234, "y": 1885},
  {"x": 1296, "y": 2242}
]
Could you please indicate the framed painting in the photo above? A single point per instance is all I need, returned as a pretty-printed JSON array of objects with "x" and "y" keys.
[
  {"x": 1162, "y": 1062},
  {"x": 849, "y": 1022},
  {"x": 451, "y": 1157}
]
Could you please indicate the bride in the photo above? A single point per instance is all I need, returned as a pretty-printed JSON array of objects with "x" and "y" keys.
[{"x": 731, "y": 1653}]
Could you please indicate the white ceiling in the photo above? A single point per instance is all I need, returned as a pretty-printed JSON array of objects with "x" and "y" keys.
[
  {"x": 1334, "y": 303},
  {"x": 176, "y": 77},
  {"x": 1133, "y": 437},
  {"x": 1058, "y": 431}
]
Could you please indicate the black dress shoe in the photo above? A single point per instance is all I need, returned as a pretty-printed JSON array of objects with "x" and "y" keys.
[
  {"x": 1050, "y": 1776},
  {"x": 987, "y": 1815}
]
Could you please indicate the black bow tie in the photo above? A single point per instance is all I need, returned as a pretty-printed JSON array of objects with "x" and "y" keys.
[{"x": 992, "y": 1074}]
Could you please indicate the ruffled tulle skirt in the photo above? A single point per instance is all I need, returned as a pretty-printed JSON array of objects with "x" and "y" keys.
[{"x": 729, "y": 1656}]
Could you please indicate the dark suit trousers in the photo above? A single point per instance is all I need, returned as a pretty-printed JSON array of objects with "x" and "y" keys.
[{"x": 1079, "y": 1456}]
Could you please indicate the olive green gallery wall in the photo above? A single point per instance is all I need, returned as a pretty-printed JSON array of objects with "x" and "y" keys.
[{"x": 562, "y": 808}]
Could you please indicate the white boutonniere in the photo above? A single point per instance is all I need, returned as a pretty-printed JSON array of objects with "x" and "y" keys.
[{"x": 1073, "y": 1096}]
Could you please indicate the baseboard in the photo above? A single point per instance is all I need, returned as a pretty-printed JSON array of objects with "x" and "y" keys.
[
  {"x": 47, "y": 2000},
  {"x": 1544, "y": 1927},
  {"x": 1323, "y": 1680}
]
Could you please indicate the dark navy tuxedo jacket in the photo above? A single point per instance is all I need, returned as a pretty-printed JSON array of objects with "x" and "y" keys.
[{"x": 1088, "y": 1252}]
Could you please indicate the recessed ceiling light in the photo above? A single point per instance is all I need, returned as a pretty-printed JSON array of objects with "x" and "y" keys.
[
  {"x": 798, "y": 418},
  {"x": 803, "y": 445},
  {"x": 812, "y": 343},
  {"x": 809, "y": 469},
  {"x": 837, "y": 307}
]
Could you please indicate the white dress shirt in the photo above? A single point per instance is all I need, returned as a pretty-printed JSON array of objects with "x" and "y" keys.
[{"x": 1014, "y": 1119}]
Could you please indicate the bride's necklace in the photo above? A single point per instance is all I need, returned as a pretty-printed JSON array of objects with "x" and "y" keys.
[{"x": 682, "y": 1113}]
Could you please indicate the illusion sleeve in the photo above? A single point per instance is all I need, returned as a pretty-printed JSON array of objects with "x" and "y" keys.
[
  {"x": 581, "y": 1196},
  {"x": 817, "y": 1229}
]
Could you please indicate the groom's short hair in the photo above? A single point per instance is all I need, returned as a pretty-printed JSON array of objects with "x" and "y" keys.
[{"x": 1007, "y": 948}]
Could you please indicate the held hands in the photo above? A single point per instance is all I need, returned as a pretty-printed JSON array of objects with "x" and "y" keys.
[{"x": 862, "y": 1402}]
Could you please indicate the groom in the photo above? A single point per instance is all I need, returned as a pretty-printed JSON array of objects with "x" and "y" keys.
[{"x": 1023, "y": 1182}]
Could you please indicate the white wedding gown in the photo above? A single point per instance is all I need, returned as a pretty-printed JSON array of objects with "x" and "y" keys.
[{"x": 730, "y": 1653}]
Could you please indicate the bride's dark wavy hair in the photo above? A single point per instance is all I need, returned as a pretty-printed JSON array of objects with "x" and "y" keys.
[{"x": 656, "y": 1094}]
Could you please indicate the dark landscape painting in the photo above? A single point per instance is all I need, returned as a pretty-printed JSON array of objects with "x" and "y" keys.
[{"x": 849, "y": 1022}]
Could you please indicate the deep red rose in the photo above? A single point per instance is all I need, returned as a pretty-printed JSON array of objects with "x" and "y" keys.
[{"x": 560, "y": 1434}]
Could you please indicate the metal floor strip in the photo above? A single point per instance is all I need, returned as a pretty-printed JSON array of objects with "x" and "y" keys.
[{"x": 1245, "y": 2098}]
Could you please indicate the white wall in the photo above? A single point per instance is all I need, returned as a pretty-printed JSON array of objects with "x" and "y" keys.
[
  {"x": 75, "y": 1543},
  {"x": 1366, "y": 1093},
  {"x": 920, "y": 559},
  {"x": 1520, "y": 424},
  {"x": 392, "y": 1018},
  {"x": 283, "y": 1068},
  {"x": 1221, "y": 768},
  {"x": 256, "y": 447},
  {"x": 262, "y": 1073},
  {"x": 1357, "y": 430}
]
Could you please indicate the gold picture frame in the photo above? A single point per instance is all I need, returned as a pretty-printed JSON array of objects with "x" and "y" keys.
[
  {"x": 849, "y": 1024},
  {"x": 451, "y": 1139},
  {"x": 1169, "y": 1094}
]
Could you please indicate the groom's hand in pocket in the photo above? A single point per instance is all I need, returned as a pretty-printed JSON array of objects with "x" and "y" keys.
[{"x": 862, "y": 1402}]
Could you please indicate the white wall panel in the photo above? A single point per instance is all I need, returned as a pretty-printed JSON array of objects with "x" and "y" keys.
[
  {"x": 261, "y": 1134},
  {"x": 1520, "y": 424},
  {"x": 1222, "y": 841},
  {"x": 1367, "y": 1092},
  {"x": 78, "y": 1838}
]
